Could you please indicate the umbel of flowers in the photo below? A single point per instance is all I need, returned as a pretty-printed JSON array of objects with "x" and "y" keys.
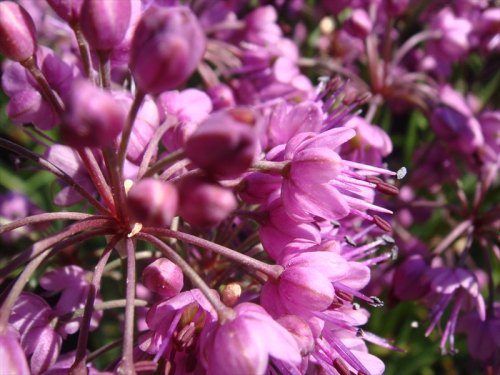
[{"x": 242, "y": 201}]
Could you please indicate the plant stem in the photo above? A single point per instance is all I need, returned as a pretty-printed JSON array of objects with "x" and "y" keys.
[
  {"x": 84, "y": 50},
  {"x": 17, "y": 288},
  {"x": 37, "y": 248},
  {"x": 79, "y": 366},
  {"x": 47, "y": 91},
  {"x": 104, "y": 69},
  {"x": 97, "y": 177},
  {"x": 127, "y": 130},
  {"x": 128, "y": 336},
  {"x": 161, "y": 164},
  {"x": 45, "y": 217},
  {"x": 273, "y": 167},
  {"x": 273, "y": 271},
  {"x": 56, "y": 171},
  {"x": 220, "y": 308},
  {"x": 452, "y": 236},
  {"x": 117, "y": 187},
  {"x": 153, "y": 146}
]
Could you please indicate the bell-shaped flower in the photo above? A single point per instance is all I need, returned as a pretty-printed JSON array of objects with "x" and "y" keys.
[
  {"x": 244, "y": 344},
  {"x": 73, "y": 284},
  {"x": 279, "y": 229},
  {"x": 306, "y": 284},
  {"x": 188, "y": 311},
  {"x": 68, "y": 161},
  {"x": 27, "y": 104},
  {"x": 32, "y": 317}
]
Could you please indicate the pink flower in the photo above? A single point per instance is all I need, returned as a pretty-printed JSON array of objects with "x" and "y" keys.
[
  {"x": 244, "y": 344},
  {"x": 320, "y": 183}
]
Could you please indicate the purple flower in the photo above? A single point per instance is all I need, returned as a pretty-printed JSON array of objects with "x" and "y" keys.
[
  {"x": 244, "y": 344},
  {"x": 27, "y": 104},
  {"x": 33, "y": 318},
  {"x": 318, "y": 182},
  {"x": 14, "y": 206},
  {"x": 11, "y": 354}
]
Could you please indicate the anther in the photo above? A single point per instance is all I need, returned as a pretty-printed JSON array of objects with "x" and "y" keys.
[
  {"x": 382, "y": 224},
  {"x": 394, "y": 253},
  {"x": 401, "y": 173},
  {"x": 341, "y": 366},
  {"x": 388, "y": 239},
  {"x": 350, "y": 241},
  {"x": 376, "y": 302},
  {"x": 388, "y": 189}
]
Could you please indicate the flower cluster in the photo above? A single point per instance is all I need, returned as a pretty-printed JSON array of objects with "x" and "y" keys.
[{"x": 247, "y": 200}]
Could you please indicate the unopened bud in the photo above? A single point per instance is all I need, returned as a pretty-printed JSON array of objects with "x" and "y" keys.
[
  {"x": 93, "y": 119},
  {"x": 105, "y": 22},
  {"x": 17, "y": 32},
  {"x": 152, "y": 202},
  {"x": 204, "y": 203},
  {"x": 225, "y": 143},
  {"x": 167, "y": 46},
  {"x": 231, "y": 294},
  {"x": 68, "y": 10},
  {"x": 359, "y": 24},
  {"x": 163, "y": 277},
  {"x": 222, "y": 96}
]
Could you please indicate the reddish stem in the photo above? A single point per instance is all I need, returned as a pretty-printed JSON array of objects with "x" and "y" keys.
[
  {"x": 56, "y": 171},
  {"x": 25, "y": 275},
  {"x": 45, "y": 217},
  {"x": 40, "y": 246},
  {"x": 97, "y": 177},
  {"x": 79, "y": 366},
  {"x": 273, "y": 271},
  {"x": 223, "y": 312},
  {"x": 128, "y": 336}
]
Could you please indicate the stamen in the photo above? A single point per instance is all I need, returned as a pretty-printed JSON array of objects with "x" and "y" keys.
[
  {"x": 401, "y": 173},
  {"x": 382, "y": 224},
  {"x": 365, "y": 167},
  {"x": 358, "y": 203}
]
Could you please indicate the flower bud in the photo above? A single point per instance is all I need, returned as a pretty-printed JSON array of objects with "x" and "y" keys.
[
  {"x": 163, "y": 277},
  {"x": 105, "y": 22},
  {"x": 93, "y": 119},
  {"x": 359, "y": 25},
  {"x": 152, "y": 202},
  {"x": 68, "y": 10},
  {"x": 225, "y": 143},
  {"x": 231, "y": 294},
  {"x": 222, "y": 96},
  {"x": 167, "y": 46},
  {"x": 17, "y": 32},
  {"x": 203, "y": 203}
]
